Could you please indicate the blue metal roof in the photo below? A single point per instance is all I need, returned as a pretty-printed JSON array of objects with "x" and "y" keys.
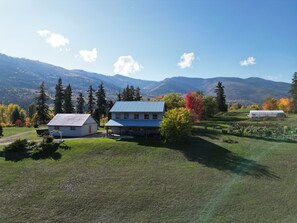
[
  {"x": 133, "y": 123},
  {"x": 138, "y": 106}
]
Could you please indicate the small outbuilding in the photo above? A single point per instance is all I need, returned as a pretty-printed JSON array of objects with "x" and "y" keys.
[
  {"x": 72, "y": 125},
  {"x": 266, "y": 114}
]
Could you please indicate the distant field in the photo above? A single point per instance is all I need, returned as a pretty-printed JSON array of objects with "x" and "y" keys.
[
  {"x": 13, "y": 133},
  {"x": 106, "y": 180}
]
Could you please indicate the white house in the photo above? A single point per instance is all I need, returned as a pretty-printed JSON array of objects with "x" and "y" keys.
[
  {"x": 136, "y": 117},
  {"x": 266, "y": 114},
  {"x": 72, "y": 125}
]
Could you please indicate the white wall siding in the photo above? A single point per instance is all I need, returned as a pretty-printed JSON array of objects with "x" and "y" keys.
[{"x": 78, "y": 132}]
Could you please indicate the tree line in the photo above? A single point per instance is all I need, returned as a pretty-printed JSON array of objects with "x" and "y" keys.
[{"x": 96, "y": 102}]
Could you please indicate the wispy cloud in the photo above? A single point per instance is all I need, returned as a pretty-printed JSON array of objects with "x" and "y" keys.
[
  {"x": 88, "y": 55},
  {"x": 126, "y": 65},
  {"x": 248, "y": 61},
  {"x": 43, "y": 32},
  {"x": 56, "y": 40},
  {"x": 186, "y": 60}
]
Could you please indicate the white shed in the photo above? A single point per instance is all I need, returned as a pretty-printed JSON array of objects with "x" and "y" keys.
[
  {"x": 73, "y": 125},
  {"x": 266, "y": 113}
]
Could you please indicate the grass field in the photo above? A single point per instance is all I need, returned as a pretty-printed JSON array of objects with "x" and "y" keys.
[{"x": 107, "y": 180}]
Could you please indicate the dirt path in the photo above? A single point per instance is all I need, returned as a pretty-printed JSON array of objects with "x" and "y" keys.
[{"x": 9, "y": 139}]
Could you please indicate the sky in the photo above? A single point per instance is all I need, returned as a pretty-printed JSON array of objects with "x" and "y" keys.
[{"x": 156, "y": 39}]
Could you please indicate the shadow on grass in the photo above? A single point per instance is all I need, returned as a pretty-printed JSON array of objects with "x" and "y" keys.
[
  {"x": 46, "y": 152},
  {"x": 213, "y": 156}
]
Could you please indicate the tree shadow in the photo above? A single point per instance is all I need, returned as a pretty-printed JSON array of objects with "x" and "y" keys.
[
  {"x": 48, "y": 151},
  {"x": 214, "y": 156}
]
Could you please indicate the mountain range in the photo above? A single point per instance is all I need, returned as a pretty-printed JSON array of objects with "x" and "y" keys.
[{"x": 20, "y": 79}]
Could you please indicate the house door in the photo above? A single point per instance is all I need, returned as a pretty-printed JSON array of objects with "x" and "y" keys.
[{"x": 90, "y": 129}]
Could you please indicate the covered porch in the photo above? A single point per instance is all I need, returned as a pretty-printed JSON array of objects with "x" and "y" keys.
[{"x": 145, "y": 128}]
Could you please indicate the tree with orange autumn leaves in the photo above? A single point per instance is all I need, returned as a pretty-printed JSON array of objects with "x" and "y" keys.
[{"x": 274, "y": 104}]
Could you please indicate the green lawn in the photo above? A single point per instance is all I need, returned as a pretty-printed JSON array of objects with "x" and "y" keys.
[
  {"x": 106, "y": 180},
  {"x": 13, "y": 133}
]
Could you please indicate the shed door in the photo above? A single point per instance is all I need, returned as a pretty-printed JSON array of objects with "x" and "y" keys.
[{"x": 90, "y": 129}]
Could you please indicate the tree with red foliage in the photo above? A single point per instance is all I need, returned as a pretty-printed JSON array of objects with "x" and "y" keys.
[
  {"x": 194, "y": 103},
  {"x": 18, "y": 123}
]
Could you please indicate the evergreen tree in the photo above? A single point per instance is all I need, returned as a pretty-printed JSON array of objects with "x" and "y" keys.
[
  {"x": 101, "y": 102},
  {"x": 138, "y": 96},
  {"x": 119, "y": 96},
  {"x": 132, "y": 93},
  {"x": 59, "y": 94},
  {"x": 293, "y": 92},
  {"x": 221, "y": 98},
  {"x": 15, "y": 116},
  {"x": 41, "y": 106},
  {"x": 31, "y": 110},
  {"x": 80, "y": 103},
  {"x": 91, "y": 100},
  {"x": 68, "y": 105}
]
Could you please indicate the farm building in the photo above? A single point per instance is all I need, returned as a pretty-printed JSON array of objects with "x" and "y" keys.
[
  {"x": 266, "y": 114},
  {"x": 72, "y": 125},
  {"x": 136, "y": 117}
]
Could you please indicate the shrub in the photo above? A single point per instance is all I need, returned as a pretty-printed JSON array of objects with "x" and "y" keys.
[
  {"x": 35, "y": 126},
  {"x": 17, "y": 146},
  {"x": 1, "y": 130},
  {"x": 42, "y": 132},
  {"x": 18, "y": 123}
]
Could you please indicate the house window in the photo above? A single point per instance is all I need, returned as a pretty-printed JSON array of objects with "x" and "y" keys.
[
  {"x": 126, "y": 115},
  {"x": 155, "y": 116},
  {"x": 146, "y": 116},
  {"x": 118, "y": 116},
  {"x": 72, "y": 128},
  {"x": 136, "y": 116},
  {"x": 57, "y": 128}
]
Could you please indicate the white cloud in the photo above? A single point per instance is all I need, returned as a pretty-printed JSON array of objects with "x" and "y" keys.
[
  {"x": 186, "y": 60},
  {"x": 126, "y": 65},
  {"x": 43, "y": 32},
  {"x": 56, "y": 40},
  {"x": 248, "y": 61},
  {"x": 88, "y": 55}
]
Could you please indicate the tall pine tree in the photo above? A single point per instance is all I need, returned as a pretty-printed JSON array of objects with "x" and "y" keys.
[
  {"x": 91, "y": 100},
  {"x": 101, "y": 102},
  {"x": 293, "y": 92},
  {"x": 68, "y": 105},
  {"x": 221, "y": 98},
  {"x": 41, "y": 106},
  {"x": 58, "y": 101},
  {"x": 138, "y": 96},
  {"x": 80, "y": 103}
]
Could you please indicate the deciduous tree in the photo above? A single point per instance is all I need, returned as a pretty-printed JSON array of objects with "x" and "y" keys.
[
  {"x": 173, "y": 100},
  {"x": 210, "y": 108},
  {"x": 176, "y": 124},
  {"x": 270, "y": 104},
  {"x": 194, "y": 103},
  {"x": 285, "y": 104}
]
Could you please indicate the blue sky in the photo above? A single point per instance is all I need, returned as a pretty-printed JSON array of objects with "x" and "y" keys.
[{"x": 155, "y": 39}]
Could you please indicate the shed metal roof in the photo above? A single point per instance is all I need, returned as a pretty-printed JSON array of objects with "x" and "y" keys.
[
  {"x": 138, "y": 106},
  {"x": 266, "y": 111},
  {"x": 133, "y": 123},
  {"x": 69, "y": 120}
]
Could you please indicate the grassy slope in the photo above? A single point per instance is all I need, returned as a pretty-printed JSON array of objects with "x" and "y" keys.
[
  {"x": 104, "y": 180},
  {"x": 13, "y": 133}
]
